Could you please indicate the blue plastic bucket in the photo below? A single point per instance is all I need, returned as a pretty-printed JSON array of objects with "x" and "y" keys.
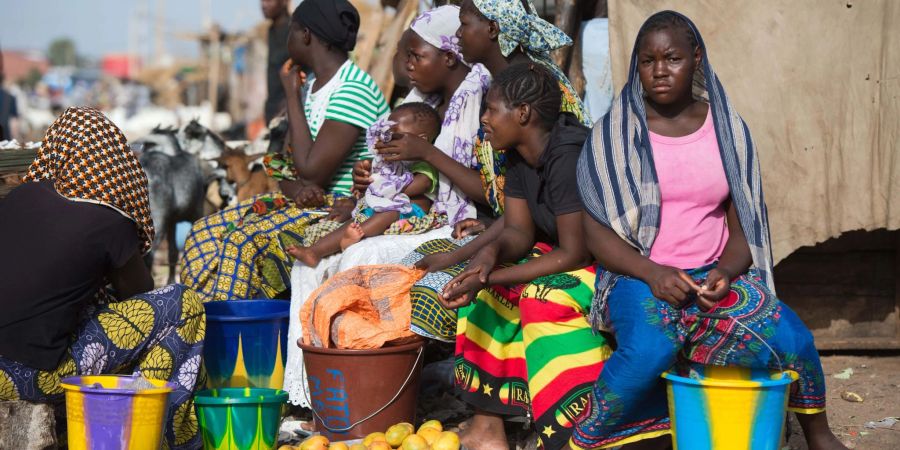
[
  {"x": 728, "y": 408},
  {"x": 246, "y": 343}
]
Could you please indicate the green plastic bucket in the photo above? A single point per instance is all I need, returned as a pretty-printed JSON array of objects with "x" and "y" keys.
[{"x": 239, "y": 418}]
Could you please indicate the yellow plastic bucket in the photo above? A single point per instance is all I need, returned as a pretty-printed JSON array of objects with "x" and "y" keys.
[
  {"x": 115, "y": 412},
  {"x": 728, "y": 408}
]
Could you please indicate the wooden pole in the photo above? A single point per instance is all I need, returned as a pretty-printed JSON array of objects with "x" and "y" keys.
[
  {"x": 382, "y": 68},
  {"x": 213, "y": 80},
  {"x": 566, "y": 20}
]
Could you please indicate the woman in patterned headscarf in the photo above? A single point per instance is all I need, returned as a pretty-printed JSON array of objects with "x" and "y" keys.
[
  {"x": 81, "y": 221},
  {"x": 496, "y": 34}
]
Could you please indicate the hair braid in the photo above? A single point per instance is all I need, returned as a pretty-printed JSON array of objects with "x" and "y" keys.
[{"x": 531, "y": 84}]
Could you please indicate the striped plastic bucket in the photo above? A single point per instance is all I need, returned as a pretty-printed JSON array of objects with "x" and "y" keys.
[
  {"x": 728, "y": 408},
  {"x": 246, "y": 343},
  {"x": 239, "y": 418},
  {"x": 105, "y": 412}
]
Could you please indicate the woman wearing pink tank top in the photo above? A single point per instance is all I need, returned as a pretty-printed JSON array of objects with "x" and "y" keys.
[{"x": 678, "y": 225}]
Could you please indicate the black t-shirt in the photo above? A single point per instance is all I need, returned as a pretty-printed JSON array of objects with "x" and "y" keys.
[
  {"x": 55, "y": 255},
  {"x": 551, "y": 189},
  {"x": 278, "y": 54}
]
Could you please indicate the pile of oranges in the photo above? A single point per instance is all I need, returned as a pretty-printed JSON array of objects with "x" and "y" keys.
[{"x": 403, "y": 436}]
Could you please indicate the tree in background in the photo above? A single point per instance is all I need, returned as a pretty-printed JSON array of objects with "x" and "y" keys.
[{"x": 62, "y": 52}]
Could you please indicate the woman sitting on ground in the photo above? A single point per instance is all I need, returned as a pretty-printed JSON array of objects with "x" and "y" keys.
[
  {"x": 678, "y": 226},
  {"x": 523, "y": 343},
  {"x": 79, "y": 222},
  {"x": 239, "y": 252}
]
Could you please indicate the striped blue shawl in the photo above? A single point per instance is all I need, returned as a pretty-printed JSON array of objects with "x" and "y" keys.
[{"x": 618, "y": 183}]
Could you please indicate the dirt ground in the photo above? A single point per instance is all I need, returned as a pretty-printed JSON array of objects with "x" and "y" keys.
[{"x": 875, "y": 378}]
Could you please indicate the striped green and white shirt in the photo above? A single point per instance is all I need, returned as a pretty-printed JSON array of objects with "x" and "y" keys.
[{"x": 352, "y": 97}]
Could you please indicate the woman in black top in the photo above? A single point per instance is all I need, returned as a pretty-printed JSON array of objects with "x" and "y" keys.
[
  {"x": 81, "y": 222},
  {"x": 523, "y": 345}
]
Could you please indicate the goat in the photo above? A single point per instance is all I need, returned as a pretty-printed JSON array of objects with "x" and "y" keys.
[
  {"x": 201, "y": 141},
  {"x": 177, "y": 190},
  {"x": 247, "y": 182}
]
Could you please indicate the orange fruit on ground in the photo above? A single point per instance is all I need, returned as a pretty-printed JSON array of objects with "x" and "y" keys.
[
  {"x": 408, "y": 425},
  {"x": 429, "y": 434},
  {"x": 432, "y": 424},
  {"x": 374, "y": 437},
  {"x": 414, "y": 442},
  {"x": 338, "y": 446},
  {"x": 447, "y": 440},
  {"x": 396, "y": 434},
  {"x": 315, "y": 443},
  {"x": 358, "y": 446},
  {"x": 287, "y": 447},
  {"x": 380, "y": 445}
]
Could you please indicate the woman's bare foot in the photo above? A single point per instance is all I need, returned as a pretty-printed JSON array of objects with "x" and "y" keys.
[
  {"x": 305, "y": 255},
  {"x": 353, "y": 234},
  {"x": 484, "y": 432},
  {"x": 817, "y": 433}
]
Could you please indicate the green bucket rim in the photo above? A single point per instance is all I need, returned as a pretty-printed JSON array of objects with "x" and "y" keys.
[{"x": 246, "y": 396}]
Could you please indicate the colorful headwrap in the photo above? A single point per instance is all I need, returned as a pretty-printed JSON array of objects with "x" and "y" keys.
[
  {"x": 89, "y": 160},
  {"x": 618, "y": 182},
  {"x": 519, "y": 27},
  {"x": 536, "y": 37},
  {"x": 438, "y": 28}
]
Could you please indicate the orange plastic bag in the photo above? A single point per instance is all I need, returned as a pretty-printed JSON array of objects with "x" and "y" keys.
[{"x": 360, "y": 308}]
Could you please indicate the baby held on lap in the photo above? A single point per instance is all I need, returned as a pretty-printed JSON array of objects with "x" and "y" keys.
[{"x": 399, "y": 190}]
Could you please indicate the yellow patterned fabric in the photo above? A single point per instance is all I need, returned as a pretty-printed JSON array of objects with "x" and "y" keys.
[
  {"x": 227, "y": 265},
  {"x": 276, "y": 263},
  {"x": 88, "y": 159},
  {"x": 571, "y": 103}
]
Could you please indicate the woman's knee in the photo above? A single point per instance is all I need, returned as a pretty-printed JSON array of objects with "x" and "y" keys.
[
  {"x": 174, "y": 304},
  {"x": 648, "y": 360}
]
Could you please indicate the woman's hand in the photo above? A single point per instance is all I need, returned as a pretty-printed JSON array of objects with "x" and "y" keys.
[
  {"x": 714, "y": 289},
  {"x": 404, "y": 147},
  {"x": 310, "y": 196},
  {"x": 672, "y": 285},
  {"x": 461, "y": 290},
  {"x": 483, "y": 262},
  {"x": 292, "y": 78},
  {"x": 436, "y": 262},
  {"x": 362, "y": 176},
  {"x": 467, "y": 227}
]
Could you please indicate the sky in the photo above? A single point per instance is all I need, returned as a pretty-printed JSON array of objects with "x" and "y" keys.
[{"x": 101, "y": 26}]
